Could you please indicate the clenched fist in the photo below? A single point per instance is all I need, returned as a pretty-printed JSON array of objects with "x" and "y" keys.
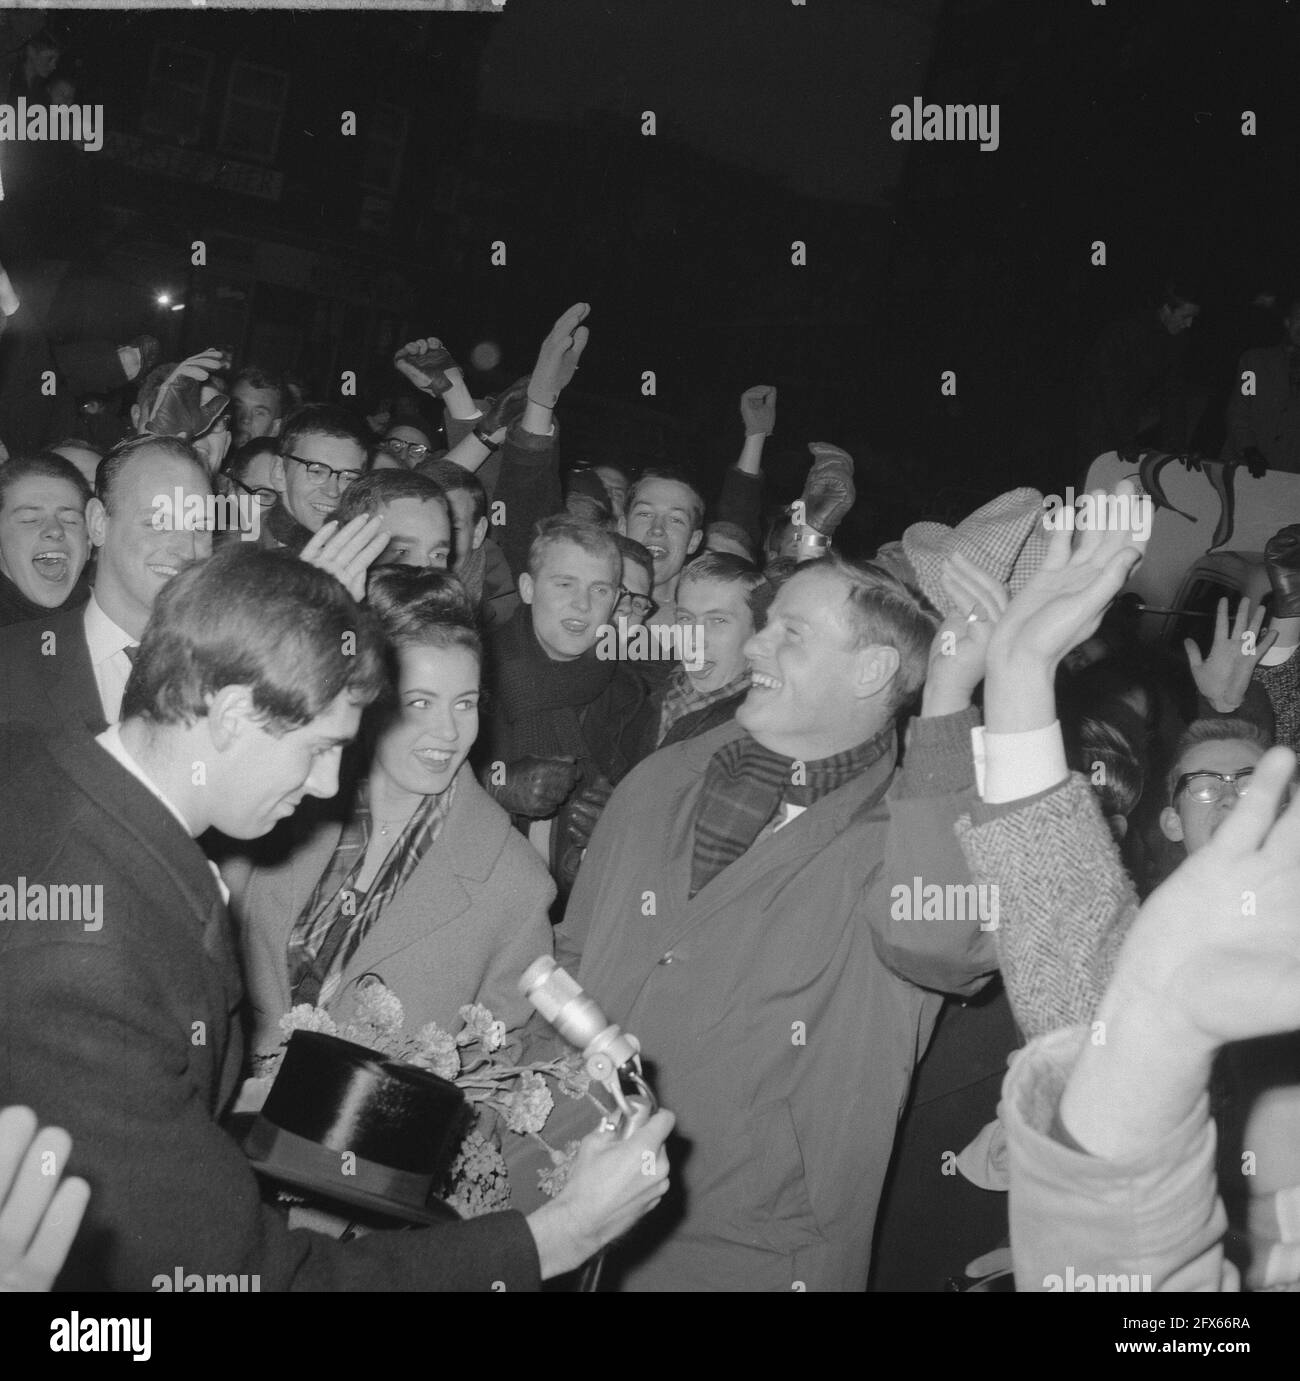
[{"x": 536, "y": 787}]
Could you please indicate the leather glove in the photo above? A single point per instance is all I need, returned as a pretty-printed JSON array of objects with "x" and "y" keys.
[
  {"x": 425, "y": 363},
  {"x": 178, "y": 411},
  {"x": 505, "y": 409},
  {"x": 758, "y": 410},
  {"x": 828, "y": 492},
  {"x": 1256, "y": 462},
  {"x": 557, "y": 360},
  {"x": 585, "y": 809},
  {"x": 536, "y": 787},
  {"x": 1282, "y": 557}
]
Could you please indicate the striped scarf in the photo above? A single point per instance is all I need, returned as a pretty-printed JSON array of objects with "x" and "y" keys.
[
  {"x": 745, "y": 785},
  {"x": 338, "y": 917}
]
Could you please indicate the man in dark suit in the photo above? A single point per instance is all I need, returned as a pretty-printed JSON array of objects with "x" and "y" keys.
[
  {"x": 1263, "y": 418},
  {"x": 119, "y": 1013},
  {"x": 70, "y": 668}
]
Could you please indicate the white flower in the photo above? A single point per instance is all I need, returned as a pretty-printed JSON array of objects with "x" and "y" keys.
[{"x": 305, "y": 1017}]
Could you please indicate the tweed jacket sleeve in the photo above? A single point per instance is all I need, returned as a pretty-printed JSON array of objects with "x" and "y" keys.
[
  {"x": 1282, "y": 682},
  {"x": 1153, "y": 1221},
  {"x": 1065, "y": 902}
]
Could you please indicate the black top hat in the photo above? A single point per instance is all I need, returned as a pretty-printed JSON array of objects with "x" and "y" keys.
[{"x": 349, "y": 1125}]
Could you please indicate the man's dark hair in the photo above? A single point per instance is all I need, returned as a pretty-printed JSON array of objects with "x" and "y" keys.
[
  {"x": 323, "y": 419},
  {"x": 668, "y": 472},
  {"x": 731, "y": 569},
  {"x": 45, "y": 464},
  {"x": 256, "y": 377},
  {"x": 1227, "y": 730},
  {"x": 372, "y": 491},
  {"x": 262, "y": 619},
  {"x": 240, "y": 460},
  {"x": 121, "y": 456},
  {"x": 1178, "y": 292},
  {"x": 456, "y": 479}
]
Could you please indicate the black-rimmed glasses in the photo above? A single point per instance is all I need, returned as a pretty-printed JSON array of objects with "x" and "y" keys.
[
  {"x": 320, "y": 472},
  {"x": 412, "y": 452},
  {"x": 1207, "y": 788},
  {"x": 640, "y": 605},
  {"x": 265, "y": 497}
]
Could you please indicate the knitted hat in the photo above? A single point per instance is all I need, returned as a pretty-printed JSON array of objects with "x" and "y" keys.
[{"x": 1007, "y": 538}]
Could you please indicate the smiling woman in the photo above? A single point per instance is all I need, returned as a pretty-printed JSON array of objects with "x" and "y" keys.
[
  {"x": 423, "y": 882},
  {"x": 43, "y": 542}
]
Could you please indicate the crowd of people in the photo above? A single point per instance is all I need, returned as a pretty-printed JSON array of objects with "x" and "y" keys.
[{"x": 316, "y": 698}]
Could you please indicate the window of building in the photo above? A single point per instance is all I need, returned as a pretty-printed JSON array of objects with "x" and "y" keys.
[
  {"x": 179, "y": 77},
  {"x": 254, "y": 113}
]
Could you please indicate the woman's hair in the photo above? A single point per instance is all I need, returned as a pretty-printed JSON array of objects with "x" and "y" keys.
[{"x": 422, "y": 608}]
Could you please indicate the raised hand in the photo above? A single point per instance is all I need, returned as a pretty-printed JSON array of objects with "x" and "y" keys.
[
  {"x": 348, "y": 552},
  {"x": 39, "y": 1216},
  {"x": 959, "y": 652},
  {"x": 557, "y": 360},
  {"x": 178, "y": 409},
  {"x": 758, "y": 410},
  {"x": 1223, "y": 677},
  {"x": 428, "y": 364},
  {"x": 1282, "y": 558},
  {"x": 828, "y": 492},
  {"x": 506, "y": 408}
]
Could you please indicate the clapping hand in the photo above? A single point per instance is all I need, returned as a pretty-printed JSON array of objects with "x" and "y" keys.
[{"x": 959, "y": 652}]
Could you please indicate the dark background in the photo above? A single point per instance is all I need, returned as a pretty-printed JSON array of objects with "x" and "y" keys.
[{"x": 1118, "y": 122}]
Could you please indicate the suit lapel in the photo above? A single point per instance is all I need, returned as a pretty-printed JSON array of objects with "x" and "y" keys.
[{"x": 71, "y": 684}]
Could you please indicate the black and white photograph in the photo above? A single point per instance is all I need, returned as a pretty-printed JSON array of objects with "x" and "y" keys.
[{"x": 649, "y": 646}]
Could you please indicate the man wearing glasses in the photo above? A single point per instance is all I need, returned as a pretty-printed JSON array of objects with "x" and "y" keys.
[
  {"x": 322, "y": 450},
  {"x": 1212, "y": 768}
]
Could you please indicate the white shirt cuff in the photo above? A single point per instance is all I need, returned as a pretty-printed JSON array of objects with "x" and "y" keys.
[{"x": 1012, "y": 767}]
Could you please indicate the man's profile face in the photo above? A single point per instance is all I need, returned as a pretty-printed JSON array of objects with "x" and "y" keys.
[
  {"x": 615, "y": 482},
  {"x": 1293, "y": 325},
  {"x": 419, "y": 534},
  {"x": 43, "y": 540},
  {"x": 804, "y": 665},
  {"x": 1195, "y": 823},
  {"x": 721, "y": 612},
  {"x": 311, "y": 501},
  {"x": 137, "y": 557},
  {"x": 664, "y": 517},
  {"x": 572, "y": 595},
  {"x": 263, "y": 778},
  {"x": 1179, "y": 319},
  {"x": 257, "y": 411}
]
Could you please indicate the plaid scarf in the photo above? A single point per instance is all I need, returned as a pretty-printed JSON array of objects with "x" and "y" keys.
[
  {"x": 338, "y": 917},
  {"x": 681, "y": 698},
  {"x": 745, "y": 785}
]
